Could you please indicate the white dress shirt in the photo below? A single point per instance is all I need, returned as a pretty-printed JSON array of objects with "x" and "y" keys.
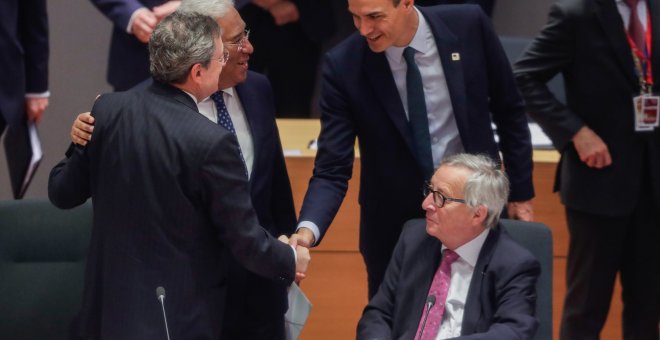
[
  {"x": 207, "y": 108},
  {"x": 461, "y": 277}
]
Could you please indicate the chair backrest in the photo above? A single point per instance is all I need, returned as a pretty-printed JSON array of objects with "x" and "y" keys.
[
  {"x": 42, "y": 259},
  {"x": 537, "y": 238},
  {"x": 514, "y": 47}
]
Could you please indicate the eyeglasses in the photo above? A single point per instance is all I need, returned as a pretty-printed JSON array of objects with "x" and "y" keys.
[
  {"x": 225, "y": 56},
  {"x": 240, "y": 42},
  {"x": 438, "y": 198}
]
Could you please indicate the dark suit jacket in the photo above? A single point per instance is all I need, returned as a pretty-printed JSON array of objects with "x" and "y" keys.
[
  {"x": 359, "y": 99},
  {"x": 170, "y": 195},
  {"x": 253, "y": 298},
  {"x": 501, "y": 299},
  {"x": 585, "y": 41},
  {"x": 128, "y": 62},
  {"x": 23, "y": 55}
]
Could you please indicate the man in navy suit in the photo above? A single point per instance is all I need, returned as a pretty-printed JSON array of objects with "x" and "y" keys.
[
  {"x": 133, "y": 21},
  {"x": 256, "y": 306},
  {"x": 170, "y": 198},
  {"x": 23, "y": 62},
  {"x": 482, "y": 283},
  {"x": 466, "y": 84}
]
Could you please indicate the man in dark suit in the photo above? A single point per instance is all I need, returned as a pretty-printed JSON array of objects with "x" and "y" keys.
[
  {"x": 288, "y": 37},
  {"x": 23, "y": 62},
  {"x": 482, "y": 283},
  {"x": 609, "y": 172},
  {"x": 133, "y": 21},
  {"x": 465, "y": 78},
  {"x": 170, "y": 196},
  {"x": 257, "y": 305}
]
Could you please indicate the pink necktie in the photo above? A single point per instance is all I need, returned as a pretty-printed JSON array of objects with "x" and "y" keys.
[
  {"x": 635, "y": 28},
  {"x": 439, "y": 289}
]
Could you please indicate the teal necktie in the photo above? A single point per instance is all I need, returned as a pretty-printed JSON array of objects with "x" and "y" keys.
[{"x": 419, "y": 123}]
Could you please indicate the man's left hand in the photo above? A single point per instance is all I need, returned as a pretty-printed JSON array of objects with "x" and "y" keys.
[
  {"x": 165, "y": 9},
  {"x": 521, "y": 210}
]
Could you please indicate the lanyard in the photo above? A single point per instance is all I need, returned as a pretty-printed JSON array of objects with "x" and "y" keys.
[{"x": 645, "y": 74}]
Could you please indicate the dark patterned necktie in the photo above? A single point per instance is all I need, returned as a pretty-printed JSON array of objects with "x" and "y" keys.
[
  {"x": 419, "y": 123},
  {"x": 224, "y": 120}
]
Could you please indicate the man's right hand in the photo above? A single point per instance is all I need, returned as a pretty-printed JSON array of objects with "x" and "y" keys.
[
  {"x": 81, "y": 130},
  {"x": 591, "y": 148},
  {"x": 303, "y": 237},
  {"x": 144, "y": 23}
]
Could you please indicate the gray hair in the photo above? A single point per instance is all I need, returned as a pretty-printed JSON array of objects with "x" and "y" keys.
[
  {"x": 180, "y": 41},
  {"x": 487, "y": 185},
  {"x": 213, "y": 8}
]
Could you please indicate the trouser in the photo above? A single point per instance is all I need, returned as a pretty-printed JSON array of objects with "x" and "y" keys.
[{"x": 600, "y": 247}]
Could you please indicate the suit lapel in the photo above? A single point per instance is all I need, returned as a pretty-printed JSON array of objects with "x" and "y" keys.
[
  {"x": 433, "y": 252},
  {"x": 447, "y": 44},
  {"x": 478, "y": 290},
  {"x": 251, "y": 108},
  {"x": 612, "y": 24},
  {"x": 654, "y": 9},
  {"x": 380, "y": 75}
]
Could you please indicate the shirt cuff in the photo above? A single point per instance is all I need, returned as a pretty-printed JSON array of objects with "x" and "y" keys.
[
  {"x": 311, "y": 226},
  {"x": 38, "y": 95}
]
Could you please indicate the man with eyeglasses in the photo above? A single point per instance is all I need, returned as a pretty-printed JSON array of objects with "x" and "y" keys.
[
  {"x": 255, "y": 305},
  {"x": 413, "y": 85},
  {"x": 170, "y": 199},
  {"x": 458, "y": 274}
]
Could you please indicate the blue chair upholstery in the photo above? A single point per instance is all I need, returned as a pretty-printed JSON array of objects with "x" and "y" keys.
[{"x": 42, "y": 259}]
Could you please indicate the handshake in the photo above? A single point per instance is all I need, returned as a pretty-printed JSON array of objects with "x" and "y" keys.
[{"x": 301, "y": 241}]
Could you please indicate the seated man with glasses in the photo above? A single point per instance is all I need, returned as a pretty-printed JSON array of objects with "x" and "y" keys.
[{"x": 458, "y": 274}]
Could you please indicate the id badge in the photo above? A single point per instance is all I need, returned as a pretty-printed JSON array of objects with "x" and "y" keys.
[{"x": 647, "y": 109}]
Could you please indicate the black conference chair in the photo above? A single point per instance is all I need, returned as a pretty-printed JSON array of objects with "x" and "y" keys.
[
  {"x": 537, "y": 238},
  {"x": 42, "y": 259}
]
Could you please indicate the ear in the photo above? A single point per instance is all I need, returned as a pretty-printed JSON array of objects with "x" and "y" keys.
[
  {"x": 195, "y": 73},
  {"x": 480, "y": 214},
  {"x": 408, "y": 3}
]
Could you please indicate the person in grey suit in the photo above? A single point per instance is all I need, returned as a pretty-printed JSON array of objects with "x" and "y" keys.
[
  {"x": 491, "y": 282},
  {"x": 608, "y": 176},
  {"x": 170, "y": 196}
]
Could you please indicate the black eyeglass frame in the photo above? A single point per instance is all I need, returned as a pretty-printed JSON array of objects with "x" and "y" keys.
[{"x": 438, "y": 196}]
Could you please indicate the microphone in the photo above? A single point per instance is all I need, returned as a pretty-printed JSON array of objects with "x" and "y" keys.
[
  {"x": 430, "y": 301},
  {"x": 160, "y": 293}
]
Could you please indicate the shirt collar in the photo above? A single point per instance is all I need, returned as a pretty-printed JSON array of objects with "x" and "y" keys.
[
  {"x": 469, "y": 252},
  {"x": 419, "y": 41}
]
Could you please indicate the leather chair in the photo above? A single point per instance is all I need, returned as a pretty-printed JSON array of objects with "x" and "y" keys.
[{"x": 42, "y": 259}]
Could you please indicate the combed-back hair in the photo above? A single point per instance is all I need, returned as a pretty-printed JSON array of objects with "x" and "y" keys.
[
  {"x": 488, "y": 185},
  {"x": 213, "y": 8},
  {"x": 180, "y": 41}
]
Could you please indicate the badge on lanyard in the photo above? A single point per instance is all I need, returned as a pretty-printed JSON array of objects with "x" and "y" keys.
[{"x": 646, "y": 105}]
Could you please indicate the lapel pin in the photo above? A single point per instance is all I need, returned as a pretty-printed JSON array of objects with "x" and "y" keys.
[{"x": 455, "y": 56}]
